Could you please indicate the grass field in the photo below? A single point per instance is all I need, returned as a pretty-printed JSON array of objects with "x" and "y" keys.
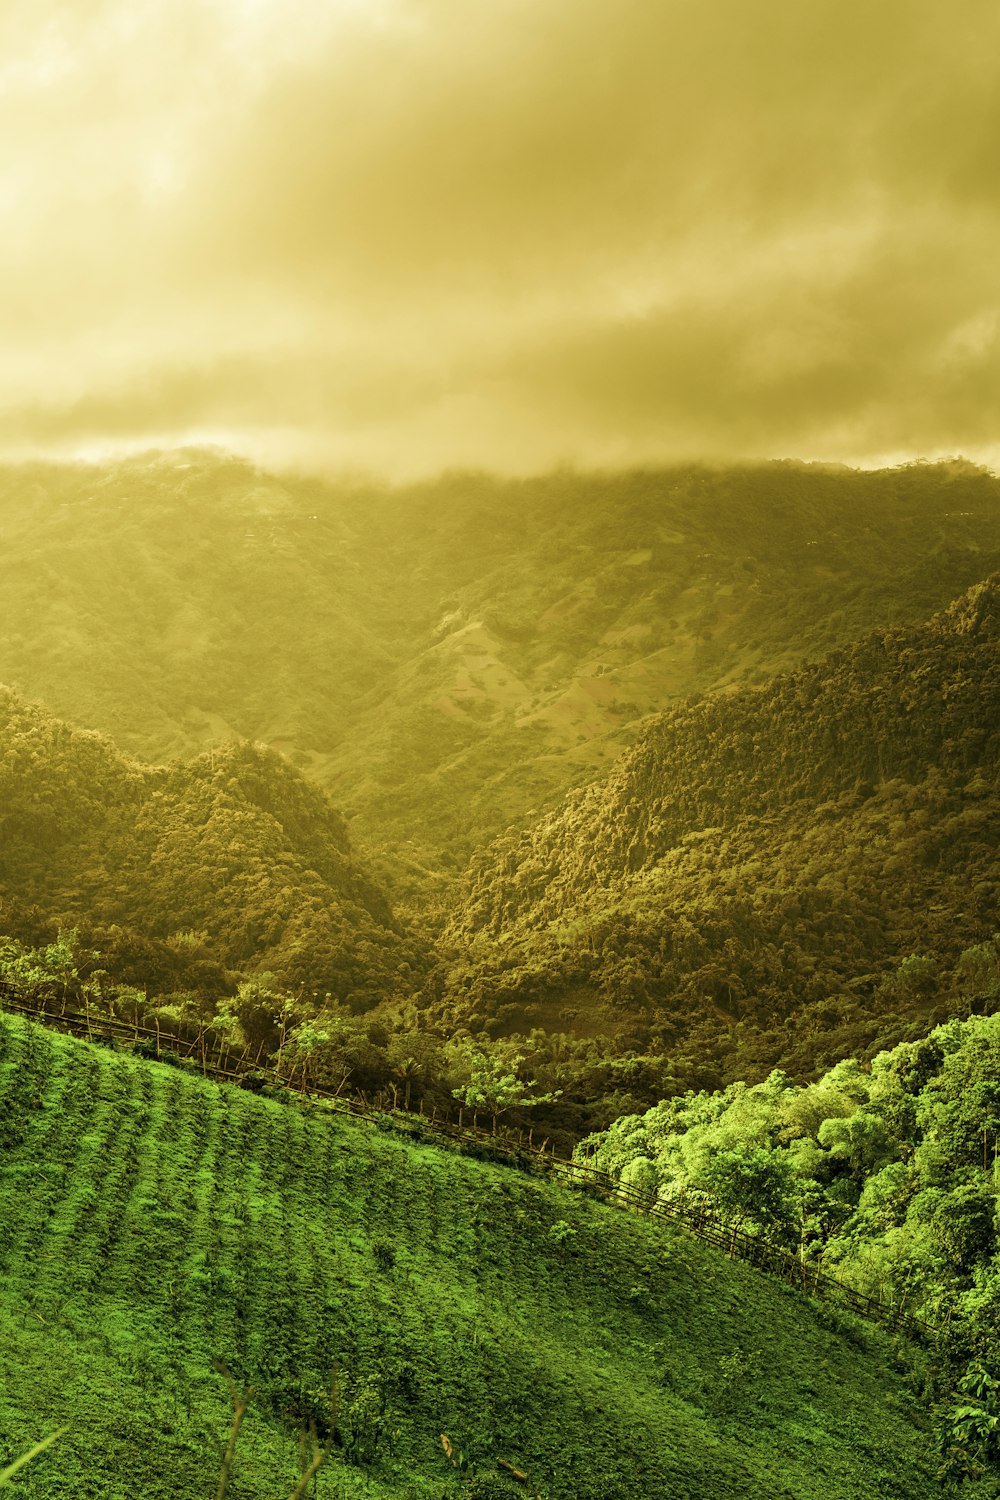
[{"x": 152, "y": 1222}]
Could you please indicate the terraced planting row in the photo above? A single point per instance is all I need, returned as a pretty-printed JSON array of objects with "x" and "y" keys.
[
  {"x": 759, "y": 1252},
  {"x": 154, "y": 1222}
]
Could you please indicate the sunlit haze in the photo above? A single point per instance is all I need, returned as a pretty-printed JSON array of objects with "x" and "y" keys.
[{"x": 407, "y": 234}]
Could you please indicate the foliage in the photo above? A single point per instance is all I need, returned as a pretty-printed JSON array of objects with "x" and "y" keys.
[
  {"x": 750, "y": 1184},
  {"x": 969, "y": 1427},
  {"x": 180, "y": 875},
  {"x": 492, "y": 1080},
  {"x": 888, "y": 1177},
  {"x": 150, "y": 1221},
  {"x": 777, "y": 876}
]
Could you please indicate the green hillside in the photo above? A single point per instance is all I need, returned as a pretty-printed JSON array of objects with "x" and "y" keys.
[
  {"x": 886, "y": 1175},
  {"x": 151, "y": 1222},
  {"x": 183, "y": 873},
  {"x": 446, "y": 657},
  {"x": 776, "y": 876}
]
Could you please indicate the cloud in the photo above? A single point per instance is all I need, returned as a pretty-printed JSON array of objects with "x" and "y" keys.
[{"x": 419, "y": 232}]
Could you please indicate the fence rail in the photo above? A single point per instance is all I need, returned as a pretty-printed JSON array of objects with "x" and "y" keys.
[{"x": 233, "y": 1065}]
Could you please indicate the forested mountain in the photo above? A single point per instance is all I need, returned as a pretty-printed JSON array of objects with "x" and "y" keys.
[
  {"x": 182, "y": 873},
  {"x": 780, "y": 871},
  {"x": 446, "y": 657},
  {"x": 776, "y": 874}
]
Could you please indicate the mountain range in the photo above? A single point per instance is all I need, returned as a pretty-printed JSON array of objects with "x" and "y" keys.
[
  {"x": 451, "y": 657},
  {"x": 700, "y": 762}
]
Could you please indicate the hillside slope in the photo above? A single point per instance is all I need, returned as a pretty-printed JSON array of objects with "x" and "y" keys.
[
  {"x": 446, "y": 657},
  {"x": 151, "y": 1222},
  {"x": 234, "y": 853},
  {"x": 767, "y": 856}
]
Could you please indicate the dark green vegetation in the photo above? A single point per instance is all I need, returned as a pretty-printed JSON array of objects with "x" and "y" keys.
[
  {"x": 888, "y": 1175},
  {"x": 447, "y": 657},
  {"x": 181, "y": 873},
  {"x": 151, "y": 1222},
  {"x": 776, "y": 876}
]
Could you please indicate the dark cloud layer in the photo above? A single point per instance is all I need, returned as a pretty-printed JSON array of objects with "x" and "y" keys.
[{"x": 419, "y": 232}]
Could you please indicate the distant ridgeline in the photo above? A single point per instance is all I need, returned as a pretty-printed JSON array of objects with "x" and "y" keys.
[
  {"x": 180, "y": 874},
  {"x": 778, "y": 874},
  {"x": 450, "y": 657}
]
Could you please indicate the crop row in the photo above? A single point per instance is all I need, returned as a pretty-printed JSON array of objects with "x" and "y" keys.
[{"x": 197, "y": 1153}]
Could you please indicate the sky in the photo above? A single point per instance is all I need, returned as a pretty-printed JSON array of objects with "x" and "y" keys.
[{"x": 405, "y": 235}]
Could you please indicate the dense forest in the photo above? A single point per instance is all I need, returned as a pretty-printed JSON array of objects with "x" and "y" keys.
[
  {"x": 773, "y": 876},
  {"x": 780, "y": 876},
  {"x": 181, "y": 874}
]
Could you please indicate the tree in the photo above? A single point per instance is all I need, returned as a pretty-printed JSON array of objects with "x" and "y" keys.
[
  {"x": 491, "y": 1080},
  {"x": 753, "y": 1185},
  {"x": 415, "y": 1059},
  {"x": 860, "y": 1140},
  {"x": 978, "y": 973},
  {"x": 640, "y": 1176},
  {"x": 261, "y": 1011}
]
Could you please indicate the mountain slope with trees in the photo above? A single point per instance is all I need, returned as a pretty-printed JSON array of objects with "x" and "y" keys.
[
  {"x": 767, "y": 874},
  {"x": 778, "y": 876},
  {"x": 182, "y": 874},
  {"x": 446, "y": 657}
]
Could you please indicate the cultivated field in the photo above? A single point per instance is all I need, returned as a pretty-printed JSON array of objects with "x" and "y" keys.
[{"x": 152, "y": 1222}]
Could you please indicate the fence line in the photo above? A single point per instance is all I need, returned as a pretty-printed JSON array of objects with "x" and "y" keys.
[{"x": 234, "y": 1066}]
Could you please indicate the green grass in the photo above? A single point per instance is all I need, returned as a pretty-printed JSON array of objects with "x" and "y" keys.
[{"x": 152, "y": 1223}]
